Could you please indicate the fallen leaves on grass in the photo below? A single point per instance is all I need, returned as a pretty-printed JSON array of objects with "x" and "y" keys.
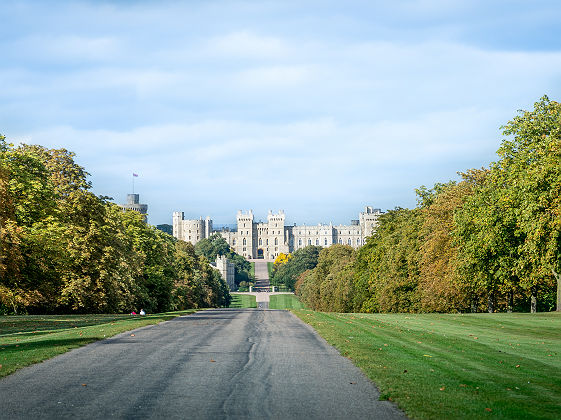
[
  {"x": 443, "y": 388},
  {"x": 488, "y": 409}
]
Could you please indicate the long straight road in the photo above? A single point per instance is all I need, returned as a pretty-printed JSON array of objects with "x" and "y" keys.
[{"x": 224, "y": 363}]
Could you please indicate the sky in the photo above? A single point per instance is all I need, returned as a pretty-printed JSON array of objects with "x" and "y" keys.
[{"x": 318, "y": 108}]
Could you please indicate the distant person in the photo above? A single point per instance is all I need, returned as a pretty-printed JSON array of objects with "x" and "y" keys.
[{"x": 142, "y": 312}]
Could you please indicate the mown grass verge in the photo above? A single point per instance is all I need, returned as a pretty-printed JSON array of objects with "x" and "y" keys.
[
  {"x": 270, "y": 269},
  {"x": 285, "y": 302},
  {"x": 252, "y": 269},
  {"x": 444, "y": 366},
  {"x": 243, "y": 301},
  {"x": 29, "y": 339}
]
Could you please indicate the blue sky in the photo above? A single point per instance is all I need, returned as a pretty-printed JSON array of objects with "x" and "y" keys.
[{"x": 315, "y": 107}]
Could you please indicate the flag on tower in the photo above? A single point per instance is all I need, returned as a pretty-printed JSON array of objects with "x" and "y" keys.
[{"x": 133, "y": 174}]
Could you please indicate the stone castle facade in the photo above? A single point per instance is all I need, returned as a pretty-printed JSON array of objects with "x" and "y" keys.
[
  {"x": 267, "y": 240},
  {"x": 227, "y": 270}
]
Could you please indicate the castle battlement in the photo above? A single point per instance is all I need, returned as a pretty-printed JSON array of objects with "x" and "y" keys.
[{"x": 267, "y": 240}]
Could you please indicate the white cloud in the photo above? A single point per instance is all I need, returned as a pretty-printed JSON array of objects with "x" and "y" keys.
[{"x": 245, "y": 44}]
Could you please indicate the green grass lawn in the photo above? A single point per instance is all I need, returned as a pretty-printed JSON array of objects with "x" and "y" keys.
[
  {"x": 252, "y": 269},
  {"x": 243, "y": 301},
  {"x": 29, "y": 339},
  {"x": 448, "y": 366},
  {"x": 270, "y": 269},
  {"x": 285, "y": 302}
]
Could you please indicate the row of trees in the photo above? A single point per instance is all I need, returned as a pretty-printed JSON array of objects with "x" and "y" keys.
[
  {"x": 489, "y": 242},
  {"x": 64, "y": 249}
]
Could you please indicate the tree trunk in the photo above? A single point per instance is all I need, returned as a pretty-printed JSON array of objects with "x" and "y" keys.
[
  {"x": 510, "y": 301},
  {"x": 473, "y": 305},
  {"x": 558, "y": 278},
  {"x": 491, "y": 303},
  {"x": 533, "y": 301}
]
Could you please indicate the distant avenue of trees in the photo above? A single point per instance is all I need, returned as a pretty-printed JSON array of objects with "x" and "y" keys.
[
  {"x": 489, "y": 242},
  {"x": 64, "y": 249}
]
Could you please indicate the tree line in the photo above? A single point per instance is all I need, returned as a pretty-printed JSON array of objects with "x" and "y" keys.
[
  {"x": 63, "y": 249},
  {"x": 489, "y": 242}
]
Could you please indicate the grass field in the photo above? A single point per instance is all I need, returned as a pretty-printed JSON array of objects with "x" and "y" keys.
[
  {"x": 29, "y": 339},
  {"x": 270, "y": 268},
  {"x": 252, "y": 269},
  {"x": 437, "y": 366},
  {"x": 243, "y": 301},
  {"x": 285, "y": 302}
]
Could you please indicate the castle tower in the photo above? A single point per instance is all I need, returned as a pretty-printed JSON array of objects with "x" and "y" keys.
[
  {"x": 133, "y": 203},
  {"x": 245, "y": 245},
  {"x": 368, "y": 220},
  {"x": 276, "y": 236},
  {"x": 177, "y": 224}
]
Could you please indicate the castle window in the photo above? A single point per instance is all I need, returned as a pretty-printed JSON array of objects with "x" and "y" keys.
[
  {"x": 309, "y": 241},
  {"x": 317, "y": 241},
  {"x": 244, "y": 241},
  {"x": 349, "y": 241},
  {"x": 260, "y": 242},
  {"x": 276, "y": 241},
  {"x": 325, "y": 242},
  {"x": 233, "y": 242},
  {"x": 300, "y": 242},
  {"x": 358, "y": 241},
  {"x": 266, "y": 242},
  {"x": 340, "y": 241}
]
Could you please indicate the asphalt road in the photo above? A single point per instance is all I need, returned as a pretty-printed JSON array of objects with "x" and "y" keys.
[{"x": 224, "y": 363}]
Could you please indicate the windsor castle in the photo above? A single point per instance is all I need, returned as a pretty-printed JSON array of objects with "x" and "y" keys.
[{"x": 267, "y": 240}]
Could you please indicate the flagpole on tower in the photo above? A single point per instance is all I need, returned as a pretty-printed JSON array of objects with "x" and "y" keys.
[{"x": 133, "y": 177}]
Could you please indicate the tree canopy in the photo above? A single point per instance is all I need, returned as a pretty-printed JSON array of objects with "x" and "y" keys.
[
  {"x": 491, "y": 241},
  {"x": 64, "y": 249}
]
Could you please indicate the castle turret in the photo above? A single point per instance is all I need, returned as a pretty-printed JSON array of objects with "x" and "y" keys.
[{"x": 133, "y": 203}]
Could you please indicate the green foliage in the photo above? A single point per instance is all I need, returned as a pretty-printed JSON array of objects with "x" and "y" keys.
[
  {"x": 63, "y": 249},
  {"x": 303, "y": 259},
  {"x": 329, "y": 287},
  {"x": 216, "y": 245},
  {"x": 489, "y": 242}
]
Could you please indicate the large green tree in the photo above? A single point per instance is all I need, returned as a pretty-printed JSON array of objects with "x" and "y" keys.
[{"x": 530, "y": 174}]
